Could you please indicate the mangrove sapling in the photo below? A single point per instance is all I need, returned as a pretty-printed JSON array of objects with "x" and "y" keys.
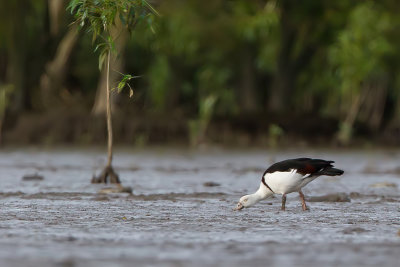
[{"x": 99, "y": 16}]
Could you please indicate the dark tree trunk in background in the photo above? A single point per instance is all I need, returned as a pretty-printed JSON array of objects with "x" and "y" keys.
[
  {"x": 247, "y": 90},
  {"x": 56, "y": 12},
  {"x": 120, "y": 35},
  {"x": 375, "y": 100},
  {"x": 366, "y": 106},
  {"x": 284, "y": 79},
  {"x": 16, "y": 76},
  {"x": 53, "y": 78},
  {"x": 297, "y": 47},
  {"x": 17, "y": 52}
]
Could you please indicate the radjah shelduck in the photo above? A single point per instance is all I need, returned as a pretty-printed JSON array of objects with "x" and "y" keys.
[{"x": 289, "y": 176}]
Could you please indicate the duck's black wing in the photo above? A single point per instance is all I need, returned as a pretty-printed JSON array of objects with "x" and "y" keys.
[{"x": 305, "y": 166}]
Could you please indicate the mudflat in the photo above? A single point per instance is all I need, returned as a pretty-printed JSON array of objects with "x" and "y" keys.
[{"x": 173, "y": 218}]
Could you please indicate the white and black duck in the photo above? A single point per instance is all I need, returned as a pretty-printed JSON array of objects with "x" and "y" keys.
[{"x": 289, "y": 176}]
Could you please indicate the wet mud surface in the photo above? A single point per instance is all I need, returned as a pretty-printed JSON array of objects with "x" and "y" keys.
[{"x": 175, "y": 218}]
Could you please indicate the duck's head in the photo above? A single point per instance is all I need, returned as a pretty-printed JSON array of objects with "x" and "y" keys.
[{"x": 246, "y": 201}]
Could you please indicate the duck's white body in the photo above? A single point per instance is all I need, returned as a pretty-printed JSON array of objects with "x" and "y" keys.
[
  {"x": 289, "y": 176},
  {"x": 287, "y": 182}
]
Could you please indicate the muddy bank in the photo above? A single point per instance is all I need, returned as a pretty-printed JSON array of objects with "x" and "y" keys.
[{"x": 78, "y": 126}]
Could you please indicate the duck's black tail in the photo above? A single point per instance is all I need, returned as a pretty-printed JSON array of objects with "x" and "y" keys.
[{"x": 331, "y": 171}]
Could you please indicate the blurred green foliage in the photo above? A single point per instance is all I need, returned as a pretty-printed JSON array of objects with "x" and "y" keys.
[
  {"x": 276, "y": 59},
  {"x": 99, "y": 16}
]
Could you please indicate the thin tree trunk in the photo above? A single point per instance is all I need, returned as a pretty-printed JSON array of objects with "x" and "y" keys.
[
  {"x": 117, "y": 33},
  {"x": 108, "y": 171},
  {"x": 109, "y": 118}
]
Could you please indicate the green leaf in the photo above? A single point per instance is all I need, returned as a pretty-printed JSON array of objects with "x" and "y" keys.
[
  {"x": 73, "y": 5},
  {"x": 99, "y": 46},
  {"x": 121, "y": 85},
  {"x": 102, "y": 58}
]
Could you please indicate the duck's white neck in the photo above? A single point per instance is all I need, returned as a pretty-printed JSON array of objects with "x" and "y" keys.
[{"x": 262, "y": 193}]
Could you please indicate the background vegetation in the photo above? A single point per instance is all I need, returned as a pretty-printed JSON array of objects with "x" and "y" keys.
[{"x": 226, "y": 71}]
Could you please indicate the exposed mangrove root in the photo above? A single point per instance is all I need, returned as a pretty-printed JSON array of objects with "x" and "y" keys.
[{"x": 109, "y": 173}]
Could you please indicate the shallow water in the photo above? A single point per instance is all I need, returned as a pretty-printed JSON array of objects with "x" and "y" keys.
[{"x": 172, "y": 219}]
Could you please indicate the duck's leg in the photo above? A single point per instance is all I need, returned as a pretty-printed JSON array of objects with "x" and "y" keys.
[
  {"x": 283, "y": 201},
  {"x": 303, "y": 201}
]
